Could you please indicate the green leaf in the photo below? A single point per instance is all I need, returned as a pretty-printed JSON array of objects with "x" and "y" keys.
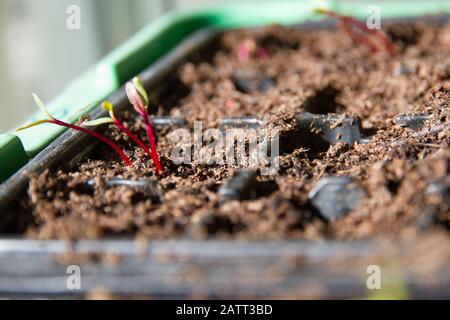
[
  {"x": 41, "y": 105},
  {"x": 134, "y": 97},
  {"x": 141, "y": 90},
  {"x": 107, "y": 106},
  {"x": 97, "y": 122},
  {"x": 33, "y": 124}
]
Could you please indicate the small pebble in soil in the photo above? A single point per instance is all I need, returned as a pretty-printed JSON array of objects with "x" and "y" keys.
[
  {"x": 240, "y": 123},
  {"x": 334, "y": 197},
  {"x": 324, "y": 101},
  {"x": 146, "y": 187},
  {"x": 332, "y": 128},
  {"x": 248, "y": 82},
  {"x": 242, "y": 186},
  {"x": 402, "y": 70},
  {"x": 414, "y": 122}
]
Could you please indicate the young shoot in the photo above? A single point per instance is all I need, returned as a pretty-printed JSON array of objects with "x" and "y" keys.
[
  {"x": 107, "y": 106},
  {"x": 249, "y": 48},
  {"x": 139, "y": 99},
  {"x": 359, "y": 32},
  {"x": 51, "y": 119}
]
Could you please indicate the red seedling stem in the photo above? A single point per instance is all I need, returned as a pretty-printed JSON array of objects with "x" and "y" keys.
[
  {"x": 93, "y": 134},
  {"x": 346, "y": 24},
  {"x": 133, "y": 137},
  {"x": 138, "y": 98},
  {"x": 57, "y": 122},
  {"x": 151, "y": 141},
  {"x": 358, "y": 37}
]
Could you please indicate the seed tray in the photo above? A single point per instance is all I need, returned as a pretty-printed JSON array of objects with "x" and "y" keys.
[{"x": 187, "y": 268}]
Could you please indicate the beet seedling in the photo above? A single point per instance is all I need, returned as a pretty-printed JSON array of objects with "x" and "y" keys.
[
  {"x": 248, "y": 48},
  {"x": 51, "y": 119},
  {"x": 107, "y": 106},
  {"x": 359, "y": 32},
  {"x": 139, "y": 99}
]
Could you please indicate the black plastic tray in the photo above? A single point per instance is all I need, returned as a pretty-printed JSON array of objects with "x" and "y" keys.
[{"x": 182, "y": 268}]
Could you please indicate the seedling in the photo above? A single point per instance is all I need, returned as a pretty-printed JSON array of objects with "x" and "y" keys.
[
  {"x": 361, "y": 33},
  {"x": 107, "y": 106},
  {"x": 139, "y": 99},
  {"x": 248, "y": 48},
  {"x": 51, "y": 119}
]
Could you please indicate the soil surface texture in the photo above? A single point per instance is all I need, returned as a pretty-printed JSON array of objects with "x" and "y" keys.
[{"x": 399, "y": 164}]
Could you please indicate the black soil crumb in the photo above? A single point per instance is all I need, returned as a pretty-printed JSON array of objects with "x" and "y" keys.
[{"x": 404, "y": 172}]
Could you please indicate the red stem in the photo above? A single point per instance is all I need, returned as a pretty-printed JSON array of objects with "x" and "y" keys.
[
  {"x": 358, "y": 37},
  {"x": 377, "y": 33},
  {"x": 133, "y": 137},
  {"x": 95, "y": 135},
  {"x": 151, "y": 140},
  {"x": 138, "y": 105},
  {"x": 350, "y": 21},
  {"x": 386, "y": 43}
]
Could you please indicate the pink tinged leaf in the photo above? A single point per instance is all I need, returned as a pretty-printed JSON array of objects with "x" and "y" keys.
[
  {"x": 243, "y": 53},
  {"x": 138, "y": 101},
  {"x": 141, "y": 90},
  {"x": 134, "y": 98},
  {"x": 246, "y": 49}
]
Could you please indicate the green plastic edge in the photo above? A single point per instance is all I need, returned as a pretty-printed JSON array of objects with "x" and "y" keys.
[
  {"x": 159, "y": 37},
  {"x": 12, "y": 155}
]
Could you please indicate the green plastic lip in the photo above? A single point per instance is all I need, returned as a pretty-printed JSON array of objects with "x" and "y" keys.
[
  {"x": 13, "y": 156},
  {"x": 83, "y": 94}
]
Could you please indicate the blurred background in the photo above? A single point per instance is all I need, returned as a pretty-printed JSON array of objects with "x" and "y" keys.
[{"x": 38, "y": 53}]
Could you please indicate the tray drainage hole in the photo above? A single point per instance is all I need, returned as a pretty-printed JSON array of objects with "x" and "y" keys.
[
  {"x": 266, "y": 188},
  {"x": 393, "y": 186},
  {"x": 405, "y": 35},
  {"x": 324, "y": 102},
  {"x": 82, "y": 188},
  {"x": 303, "y": 138}
]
